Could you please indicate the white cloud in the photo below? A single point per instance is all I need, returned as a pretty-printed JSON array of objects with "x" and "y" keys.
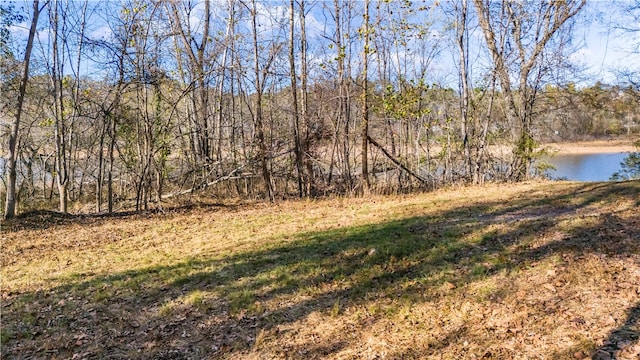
[
  {"x": 102, "y": 32},
  {"x": 19, "y": 30}
]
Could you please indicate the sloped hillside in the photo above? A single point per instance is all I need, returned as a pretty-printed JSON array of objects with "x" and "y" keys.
[{"x": 527, "y": 271}]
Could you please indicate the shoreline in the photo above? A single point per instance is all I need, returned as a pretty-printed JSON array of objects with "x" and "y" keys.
[
  {"x": 611, "y": 146},
  {"x": 591, "y": 147}
]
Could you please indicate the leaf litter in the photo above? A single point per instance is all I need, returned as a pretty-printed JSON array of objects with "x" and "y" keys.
[{"x": 525, "y": 271}]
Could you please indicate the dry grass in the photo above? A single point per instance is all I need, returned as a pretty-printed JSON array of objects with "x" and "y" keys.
[{"x": 539, "y": 270}]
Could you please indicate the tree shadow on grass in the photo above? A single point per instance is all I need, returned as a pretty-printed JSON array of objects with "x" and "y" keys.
[
  {"x": 47, "y": 219},
  {"x": 219, "y": 306},
  {"x": 622, "y": 342}
]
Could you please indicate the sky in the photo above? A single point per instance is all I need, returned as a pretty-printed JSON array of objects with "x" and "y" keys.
[{"x": 604, "y": 51}]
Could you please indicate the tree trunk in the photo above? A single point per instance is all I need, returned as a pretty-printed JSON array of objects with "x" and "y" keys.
[
  {"x": 258, "y": 118},
  {"x": 201, "y": 131},
  {"x": 10, "y": 203},
  {"x": 61, "y": 130},
  {"x": 462, "y": 43},
  {"x": 294, "y": 95},
  {"x": 365, "y": 103},
  {"x": 306, "y": 146}
]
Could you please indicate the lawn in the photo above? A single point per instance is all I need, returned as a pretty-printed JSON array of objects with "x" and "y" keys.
[{"x": 541, "y": 270}]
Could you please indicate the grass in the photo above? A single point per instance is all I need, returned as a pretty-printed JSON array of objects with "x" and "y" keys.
[{"x": 536, "y": 270}]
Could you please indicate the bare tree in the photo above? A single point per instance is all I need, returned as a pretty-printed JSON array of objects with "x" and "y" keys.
[
  {"x": 627, "y": 24},
  {"x": 201, "y": 133},
  {"x": 307, "y": 157},
  {"x": 294, "y": 96},
  {"x": 260, "y": 75},
  {"x": 341, "y": 42},
  {"x": 10, "y": 203},
  {"x": 461, "y": 24},
  {"x": 228, "y": 39},
  {"x": 65, "y": 90},
  {"x": 517, "y": 35},
  {"x": 365, "y": 100}
]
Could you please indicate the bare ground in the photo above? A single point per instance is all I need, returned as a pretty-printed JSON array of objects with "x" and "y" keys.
[{"x": 593, "y": 147}]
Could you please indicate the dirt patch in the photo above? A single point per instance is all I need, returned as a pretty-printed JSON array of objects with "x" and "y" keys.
[{"x": 592, "y": 147}]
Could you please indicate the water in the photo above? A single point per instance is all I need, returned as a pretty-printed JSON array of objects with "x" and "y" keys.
[
  {"x": 586, "y": 167},
  {"x": 576, "y": 167}
]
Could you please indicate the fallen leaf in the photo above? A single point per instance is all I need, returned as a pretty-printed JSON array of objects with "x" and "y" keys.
[
  {"x": 551, "y": 272},
  {"x": 449, "y": 286}
]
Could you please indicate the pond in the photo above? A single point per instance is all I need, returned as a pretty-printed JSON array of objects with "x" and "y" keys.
[{"x": 586, "y": 167}]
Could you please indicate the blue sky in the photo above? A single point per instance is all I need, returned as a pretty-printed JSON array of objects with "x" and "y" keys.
[
  {"x": 603, "y": 50},
  {"x": 606, "y": 50}
]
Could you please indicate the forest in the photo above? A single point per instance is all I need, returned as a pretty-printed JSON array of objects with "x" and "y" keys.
[{"x": 125, "y": 105}]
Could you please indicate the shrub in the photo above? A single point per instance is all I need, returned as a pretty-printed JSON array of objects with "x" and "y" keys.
[{"x": 630, "y": 166}]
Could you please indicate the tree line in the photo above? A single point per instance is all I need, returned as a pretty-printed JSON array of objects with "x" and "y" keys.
[{"x": 128, "y": 103}]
